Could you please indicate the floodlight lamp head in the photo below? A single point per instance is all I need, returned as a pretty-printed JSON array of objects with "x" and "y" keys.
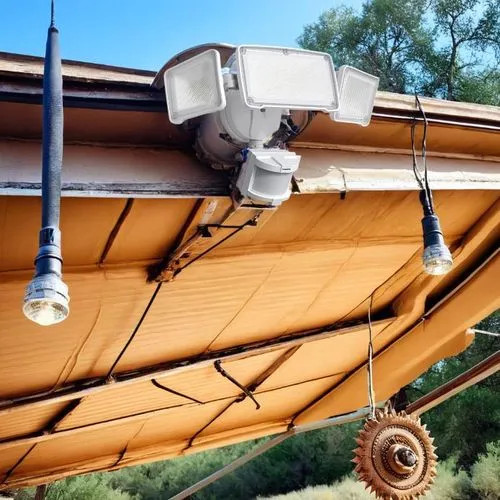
[
  {"x": 357, "y": 91},
  {"x": 286, "y": 78},
  {"x": 267, "y": 77},
  {"x": 194, "y": 87}
]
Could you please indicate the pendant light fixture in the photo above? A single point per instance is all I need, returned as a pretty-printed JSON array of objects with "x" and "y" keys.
[
  {"x": 46, "y": 301},
  {"x": 437, "y": 259}
]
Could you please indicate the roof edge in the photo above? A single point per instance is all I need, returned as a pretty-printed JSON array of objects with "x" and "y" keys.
[
  {"x": 22, "y": 65},
  {"x": 28, "y": 67}
]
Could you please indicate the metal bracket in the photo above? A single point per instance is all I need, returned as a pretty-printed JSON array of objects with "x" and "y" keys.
[{"x": 247, "y": 392}]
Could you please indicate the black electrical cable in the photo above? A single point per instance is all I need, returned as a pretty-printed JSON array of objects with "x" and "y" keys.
[
  {"x": 52, "y": 151},
  {"x": 371, "y": 391},
  {"x": 250, "y": 222},
  {"x": 247, "y": 392},
  {"x": 17, "y": 464},
  {"x": 423, "y": 180},
  {"x": 136, "y": 329},
  {"x": 414, "y": 158},
  {"x": 424, "y": 154},
  {"x": 288, "y": 130},
  {"x": 176, "y": 393}
]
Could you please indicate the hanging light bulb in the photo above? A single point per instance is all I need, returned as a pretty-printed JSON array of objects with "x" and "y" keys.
[
  {"x": 437, "y": 257},
  {"x": 46, "y": 301}
]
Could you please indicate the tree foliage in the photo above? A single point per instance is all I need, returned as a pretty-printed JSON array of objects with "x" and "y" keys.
[
  {"x": 441, "y": 48},
  {"x": 385, "y": 39}
]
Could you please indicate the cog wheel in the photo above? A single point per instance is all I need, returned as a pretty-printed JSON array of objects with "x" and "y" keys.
[{"x": 395, "y": 456}]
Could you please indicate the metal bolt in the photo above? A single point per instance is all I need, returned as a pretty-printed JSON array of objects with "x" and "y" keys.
[{"x": 406, "y": 456}]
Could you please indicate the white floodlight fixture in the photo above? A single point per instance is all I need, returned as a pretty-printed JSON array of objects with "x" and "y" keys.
[
  {"x": 276, "y": 77},
  {"x": 248, "y": 101},
  {"x": 194, "y": 87},
  {"x": 357, "y": 91}
]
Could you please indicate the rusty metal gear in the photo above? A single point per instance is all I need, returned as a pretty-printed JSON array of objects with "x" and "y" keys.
[{"x": 395, "y": 456}]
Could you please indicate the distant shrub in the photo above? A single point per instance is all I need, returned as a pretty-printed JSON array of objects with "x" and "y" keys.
[
  {"x": 347, "y": 489},
  {"x": 450, "y": 485},
  {"x": 486, "y": 473},
  {"x": 310, "y": 493},
  {"x": 89, "y": 487},
  {"x": 351, "y": 489},
  {"x": 93, "y": 487}
]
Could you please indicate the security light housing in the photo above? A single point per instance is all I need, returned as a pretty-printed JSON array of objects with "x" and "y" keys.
[{"x": 242, "y": 108}]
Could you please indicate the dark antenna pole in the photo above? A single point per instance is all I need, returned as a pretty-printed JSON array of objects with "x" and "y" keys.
[
  {"x": 46, "y": 300},
  {"x": 52, "y": 129}
]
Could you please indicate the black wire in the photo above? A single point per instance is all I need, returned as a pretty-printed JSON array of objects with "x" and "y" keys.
[
  {"x": 424, "y": 139},
  {"x": 249, "y": 222},
  {"x": 425, "y": 187},
  {"x": 136, "y": 329},
  {"x": 246, "y": 391},
  {"x": 176, "y": 393},
  {"x": 371, "y": 392},
  {"x": 414, "y": 155}
]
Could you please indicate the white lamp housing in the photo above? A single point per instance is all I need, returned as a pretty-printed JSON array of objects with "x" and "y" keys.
[
  {"x": 194, "y": 87},
  {"x": 250, "y": 99},
  {"x": 267, "y": 77},
  {"x": 275, "y": 77},
  {"x": 266, "y": 174},
  {"x": 357, "y": 91}
]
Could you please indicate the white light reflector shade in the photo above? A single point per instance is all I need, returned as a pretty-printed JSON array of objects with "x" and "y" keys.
[
  {"x": 194, "y": 87},
  {"x": 274, "y": 77},
  {"x": 357, "y": 91}
]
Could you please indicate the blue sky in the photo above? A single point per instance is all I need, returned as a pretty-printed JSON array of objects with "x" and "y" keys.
[{"x": 146, "y": 33}]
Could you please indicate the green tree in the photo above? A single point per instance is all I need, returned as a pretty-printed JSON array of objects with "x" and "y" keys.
[
  {"x": 469, "y": 31},
  {"x": 386, "y": 39},
  {"x": 441, "y": 48}
]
